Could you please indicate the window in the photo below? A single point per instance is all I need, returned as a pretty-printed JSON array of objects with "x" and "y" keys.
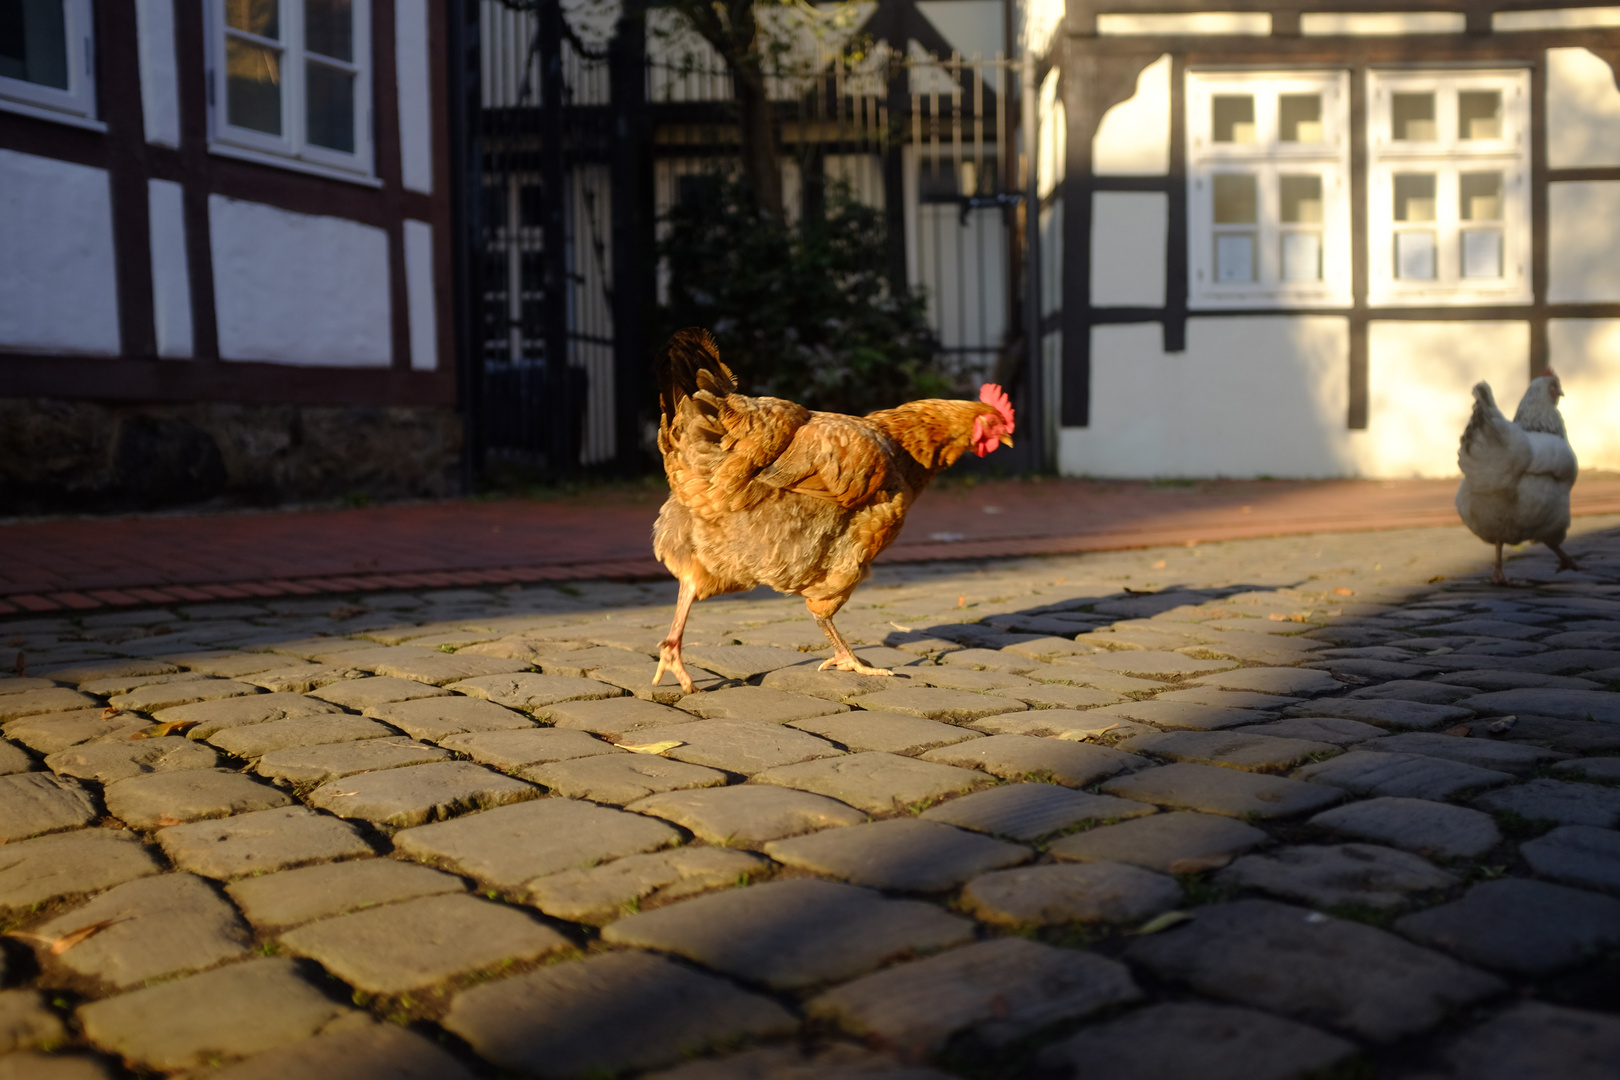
[
  {"x": 1448, "y": 187},
  {"x": 46, "y": 58},
  {"x": 291, "y": 78},
  {"x": 1268, "y": 197}
]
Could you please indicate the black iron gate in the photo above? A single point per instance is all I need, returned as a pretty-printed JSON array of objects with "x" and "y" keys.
[{"x": 579, "y": 129}]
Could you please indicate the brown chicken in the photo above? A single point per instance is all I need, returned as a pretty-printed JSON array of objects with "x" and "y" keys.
[{"x": 766, "y": 492}]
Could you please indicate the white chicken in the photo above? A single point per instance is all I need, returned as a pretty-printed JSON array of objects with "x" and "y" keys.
[{"x": 1517, "y": 473}]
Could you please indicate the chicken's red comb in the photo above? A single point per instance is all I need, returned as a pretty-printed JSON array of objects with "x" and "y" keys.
[{"x": 996, "y": 398}]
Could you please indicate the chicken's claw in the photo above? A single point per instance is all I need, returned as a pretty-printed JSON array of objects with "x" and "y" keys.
[
  {"x": 850, "y": 663},
  {"x": 669, "y": 659}
]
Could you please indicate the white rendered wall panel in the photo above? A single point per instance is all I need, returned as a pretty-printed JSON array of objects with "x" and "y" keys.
[
  {"x": 1586, "y": 355},
  {"x": 414, "y": 77},
  {"x": 1583, "y": 110},
  {"x": 160, "y": 80},
  {"x": 171, "y": 276},
  {"x": 1420, "y": 378},
  {"x": 1129, "y": 233},
  {"x": 58, "y": 281},
  {"x": 1249, "y": 397},
  {"x": 1583, "y": 227},
  {"x": 1133, "y": 138},
  {"x": 299, "y": 289},
  {"x": 424, "y": 319}
]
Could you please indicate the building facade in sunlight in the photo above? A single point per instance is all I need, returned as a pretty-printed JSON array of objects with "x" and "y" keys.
[
  {"x": 226, "y": 244},
  {"x": 1286, "y": 240}
]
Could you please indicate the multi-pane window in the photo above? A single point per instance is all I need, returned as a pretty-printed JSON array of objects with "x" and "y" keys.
[
  {"x": 1267, "y": 191},
  {"x": 47, "y": 58},
  {"x": 1448, "y": 187},
  {"x": 292, "y": 78}
]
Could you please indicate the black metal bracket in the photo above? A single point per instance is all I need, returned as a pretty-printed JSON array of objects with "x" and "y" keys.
[{"x": 1003, "y": 200}]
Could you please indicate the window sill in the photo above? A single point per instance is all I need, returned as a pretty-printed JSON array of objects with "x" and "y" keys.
[
  {"x": 259, "y": 157},
  {"x": 1441, "y": 298},
  {"x": 1269, "y": 301},
  {"x": 40, "y": 112}
]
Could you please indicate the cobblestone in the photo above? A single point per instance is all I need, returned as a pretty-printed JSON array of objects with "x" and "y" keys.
[
  {"x": 238, "y": 1010},
  {"x": 1564, "y": 802},
  {"x": 1253, "y": 753},
  {"x": 319, "y": 763},
  {"x": 747, "y": 815},
  {"x": 415, "y": 794},
  {"x": 792, "y": 934},
  {"x": 171, "y": 798},
  {"x": 1000, "y": 990},
  {"x": 614, "y": 717},
  {"x": 369, "y": 692},
  {"x": 168, "y": 695},
  {"x": 621, "y": 778},
  {"x": 1420, "y": 825},
  {"x": 599, "y": 894},
  {"x": 615, "y": 1011},
  {"x": 257, "y": 740},
  {"x": 1524, "y": 927},
  {"x": 377, "y": 1050},
  {"x": 208, "y": 717},
  {"x": 1577, "y": 855},
  {"x": 532, "y": 693},
  {"x": 899, "y": 855},
  {"x": 37, "y": 702},
  {"x": 432, "y": 719},
  {"x": 295, "y": 897},
  {"x": 36, "y": 872},
  {"x": 1057, "y": 894},
  {"x": 53, "y": 732},
  {"x": 417, "y": 943},
  {"x": 1031, "y": 810},
  {"x": 932, "y": 703},
  {"x": 756, "y": 703},
  {"x": 1182, "y": 714},
  {"x": 1163, "y": 841},
  {"x": 1414, "y": 776},
  {"x": 105, "y": 762},
  {"x": 1314, "y": 968},
  {"x": 1333, "y": 876},
  {"x": 876, "y": 782},
  {"x": 1532, "y": 1038},
  {"x": 1323, "y": 729},
  {"x": 1515, "y": 758},
  {"x": 32, "y": 804},
  {"x": 260, "y": 842},
  {"x": 150, "y": 927},
  {"x": 1221, "y": 791},
  {"x": 512, "y": 845},
  {"x": 890, "y": 733},
  {"x": 26, "y": 1023}
]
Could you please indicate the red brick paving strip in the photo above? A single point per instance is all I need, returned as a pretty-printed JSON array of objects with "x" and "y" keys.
[{"x": 82, "y": 565}]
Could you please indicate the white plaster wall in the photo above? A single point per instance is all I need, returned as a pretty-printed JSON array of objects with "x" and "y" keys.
[
  {"x": 1380, "y": 23},
  {"x": 58, "y": 283},
  {"x": 299, "y": 289},
  {"x": 1586, "y": 355},
  {"x": 1583, "y": 110},
  {"x": 1250, "y": 397},
  {"x": 1129, "y": 231},
  {"x": 424, "y": 319},
  {"x": 415, "y": 106},
  {"x": 1420, "y": 377},
  {"x": 1133, "y": 138},
  {"x": 171, "y": 276},
  {"x": 1583, "y": 230},
  {"x": 971, "y": 26},
  {"x": 160, "y": 81}
]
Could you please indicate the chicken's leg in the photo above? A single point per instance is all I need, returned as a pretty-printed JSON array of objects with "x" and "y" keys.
[
  {"x": 1564, "y": 561},
  {"x": 842, "y": 658},
  {"x": 1497, "y": 577},
  {"x": 669, "y": 650}
]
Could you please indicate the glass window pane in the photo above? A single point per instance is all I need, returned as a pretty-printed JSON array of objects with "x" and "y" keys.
[
  {"x": 33, "y": 42},
  {"x": 1479, "y": 114},
  {"x": 1414, "y": 256},
  {"x": 1234, "y": 258},
  {"x": 1234, "y": 118},
  {"x": 1480, "y": 196},
  {"x": 262, "y": 17},
  {"x": 1414, "y": 196},
  {"x": 330, "y": 107},
  {"x": 1412, "y": 117},
  {"x": 329, "y": 28},
  {"x": 252, "y": 86},
  {"x": 1301, "y": 199},
  {"x": 1236, "y": 199},
  {"x": 1299, "y": 118},
  {"x": 531, "y": 205},
  {"x": 1302, "y": 256},
  {"x": 1482, "y": 253}
]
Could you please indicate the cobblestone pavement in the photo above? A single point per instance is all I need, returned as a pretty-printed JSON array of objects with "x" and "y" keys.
[{"x": 1323, "y": 805}]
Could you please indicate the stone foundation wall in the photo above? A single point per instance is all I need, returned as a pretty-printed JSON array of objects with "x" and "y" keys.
[{"x": 73, "y": 456}]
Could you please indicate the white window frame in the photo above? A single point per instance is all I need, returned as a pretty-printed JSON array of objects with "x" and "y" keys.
[
  {"x": 1447, "y": 157},
  {"x": 1268, "y": 158},
  {"x": 291, "y": 149},
  {"x": 77, "y": 104}
]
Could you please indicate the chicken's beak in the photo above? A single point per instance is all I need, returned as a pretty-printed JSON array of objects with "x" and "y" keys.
[{"x": 1006, "y": 440}]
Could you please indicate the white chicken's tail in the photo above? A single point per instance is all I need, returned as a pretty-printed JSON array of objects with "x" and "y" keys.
[{"x": 1494, "y": 452}]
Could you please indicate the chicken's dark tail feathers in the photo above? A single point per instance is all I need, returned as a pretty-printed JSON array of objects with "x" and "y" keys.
[
  {"x": 1480, "y": 422},
  {"x": 688, "y": 364}
]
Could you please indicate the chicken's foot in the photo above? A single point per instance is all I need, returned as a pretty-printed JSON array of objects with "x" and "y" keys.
[
  {"x": 1564, "y": 561},
  {"x": 1497, "y": 577},
  {"x": 842, "y": 658},
  {"x": 669, "y": 650}
]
